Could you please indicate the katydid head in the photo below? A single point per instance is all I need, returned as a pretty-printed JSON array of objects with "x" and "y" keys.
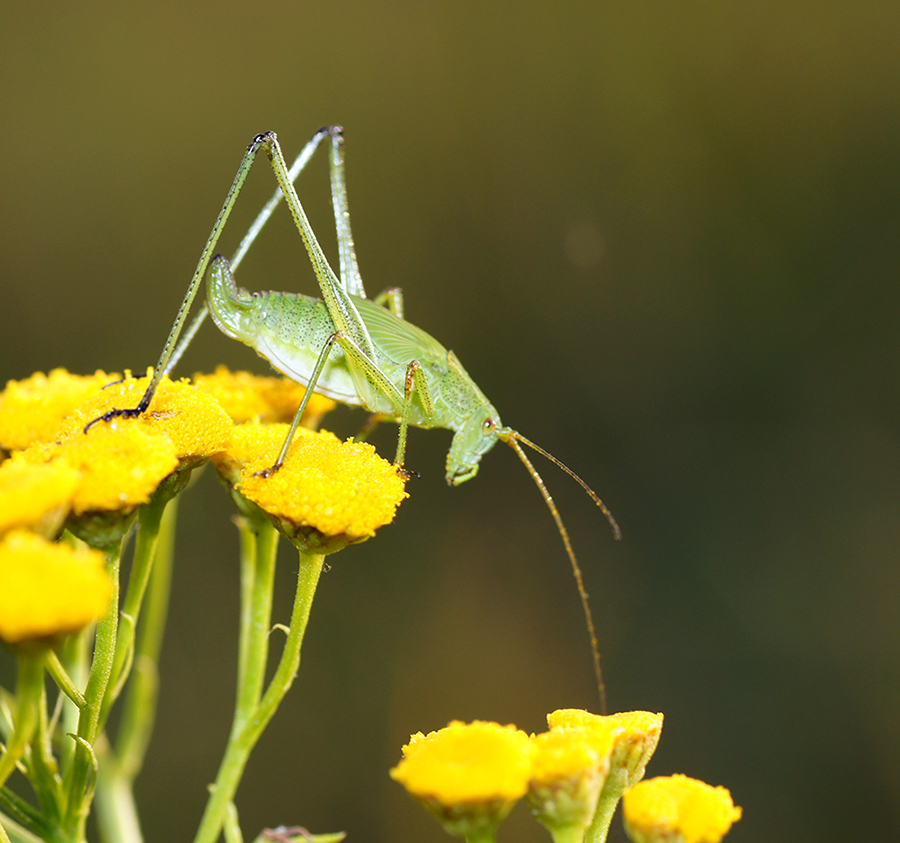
[{"x": 471, "y": 442}]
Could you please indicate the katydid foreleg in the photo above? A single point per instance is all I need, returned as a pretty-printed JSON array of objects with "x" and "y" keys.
[{"x": 415, "y": 382}]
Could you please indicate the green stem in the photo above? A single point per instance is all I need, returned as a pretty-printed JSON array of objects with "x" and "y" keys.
[
  {"x": 568, "y": 834},
  {"x": 139, "y": 706},
  {"x": 117, "y": 813},
  {"x": 17, "y": 814},
  {"x": 62, "y": 679},
  {"x": 17, "y": 834},
  {"x": 606, "y": 808},
  {"x": 79, "y": 799},
  {"x": 232, "y": 827},
  {"x": 149, "y": 518},
  {"x": 259, "y": 547},
  {"x": 43, "y": 772},
  {"x": 246, "y": 733},
  {"x": 485, "y": 835},
  {"x": 73, "y": 655},
  {"x": 29, "y": 691}
]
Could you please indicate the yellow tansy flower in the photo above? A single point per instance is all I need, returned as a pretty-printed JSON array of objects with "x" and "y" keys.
[
  {"x": 569, "y": 769},
  {"x": 635, "y": 735},
  {"x": 468, "y": 775},
  {"x": 678, "y": 809},
  {"x": 194, "y": 421},
  {"x": 36, "y": 497},
  {"x": 48, "y": 589},
  {"x": 633, "y": 744},
  {"x": 338, "y": 489},
  {"x": 118, "y": 468},
  {"x": 33, "y": 409},
  {"x": 246, "y": 397}
]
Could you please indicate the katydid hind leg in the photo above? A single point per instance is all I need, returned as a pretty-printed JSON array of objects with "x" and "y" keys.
[
  {"x": 343, "y": 312},
  {"x": 348, "y": 265},
  {"x": 342, "y": 309},
  {"x": 248, "y": 239},
  {"x": 188, "y": 300}
]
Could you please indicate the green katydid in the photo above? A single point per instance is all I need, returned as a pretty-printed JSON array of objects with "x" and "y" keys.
[{"x": 347, "y": 347}]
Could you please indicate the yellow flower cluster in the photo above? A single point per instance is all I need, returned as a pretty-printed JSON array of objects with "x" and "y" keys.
[
  {"x": 338, "y": 489},
  {"x": 57, "y": 474},
  {"x": 117, "y": 469},
  {"x": 470, "y": 775},
  {"x": 35, "y": 496},
  {"x": 636, "y": 739},
  {"x": 247, "y": 397},
  {"x": 33, "y": 409},
  {"x": 678, "y": 808},
  {"x": 56, "y": 470},
  {"x": 467, "y": 762},
  {"x": 194, "y": 421},
  {"x": 48, "y": 589}
]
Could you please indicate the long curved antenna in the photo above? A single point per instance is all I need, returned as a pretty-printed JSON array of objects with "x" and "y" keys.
[{"x": 513, "y": 438}]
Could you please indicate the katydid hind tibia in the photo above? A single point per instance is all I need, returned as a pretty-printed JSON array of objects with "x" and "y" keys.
[{"x": 348, "y": 347}]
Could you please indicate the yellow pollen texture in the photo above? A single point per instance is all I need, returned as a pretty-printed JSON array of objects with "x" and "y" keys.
[
  {"x": 47, "y": 589},
  {"x": 660, "y": 807},
  {"x": 338, "y": 488},
  {"x": 467, "y": 763}
]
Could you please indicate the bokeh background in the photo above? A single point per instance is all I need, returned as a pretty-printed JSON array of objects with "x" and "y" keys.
[{"x": 664, "y": 238}]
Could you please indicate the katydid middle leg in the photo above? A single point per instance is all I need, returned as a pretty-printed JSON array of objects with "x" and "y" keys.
[{"x": 415, "y": 383}]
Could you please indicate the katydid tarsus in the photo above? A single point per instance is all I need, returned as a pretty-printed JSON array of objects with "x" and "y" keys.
[{"x": 355, "y": 350}]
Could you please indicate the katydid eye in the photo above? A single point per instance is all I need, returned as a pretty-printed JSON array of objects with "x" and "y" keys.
[{"x": 488, "y": 426}]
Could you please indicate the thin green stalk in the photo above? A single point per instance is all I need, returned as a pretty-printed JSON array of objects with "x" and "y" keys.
[
  {"x": 62, "y": 679},
  {"x": 486, "y": 835},
  {"x": 232, "y": 827},
  {"x": 248, "y": 577},
  {"x": 29, "y": 692},
  {"x": 139, "y": 705},
  {"x": 244, "y": 738},
  {"x": 606, "y": 808},
  {"x": 14, "y": 833},
  {"x": 257, "y": 586},
  {"x": 16, "y": 812},
  {"x": 117, "y": 814},
  {"x": 568, "y": 834},
  {"x": 43, "y": 771},
  {"x": 149, "y": 518},
  {"x": 74, "y": 657},
  {"x": 89, "y": 718}
]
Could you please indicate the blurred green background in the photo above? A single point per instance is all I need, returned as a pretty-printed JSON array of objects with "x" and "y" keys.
[{"x": 662, "y": 237}]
